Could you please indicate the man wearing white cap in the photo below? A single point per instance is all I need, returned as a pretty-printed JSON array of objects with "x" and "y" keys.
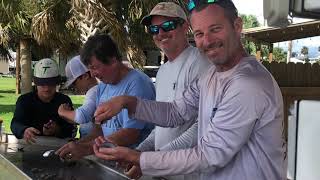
[
  {"x": 80, "y": 78},
  {"x": 36, "y": 112},
  {"x": 168, "y": 25}
]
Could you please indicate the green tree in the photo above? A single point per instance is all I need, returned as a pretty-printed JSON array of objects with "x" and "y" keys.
[
  {"x": 249, "y": 21},
  {"x": 305, "y": 50},
  {"x": 119, "y": 18},
  {"x": 35, "y": 27},
  {"x": 44, "y": 25},
  {"x": 279, "y": 55}
]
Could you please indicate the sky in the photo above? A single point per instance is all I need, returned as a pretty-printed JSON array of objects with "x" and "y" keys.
[{"x": 255, "y": 7}]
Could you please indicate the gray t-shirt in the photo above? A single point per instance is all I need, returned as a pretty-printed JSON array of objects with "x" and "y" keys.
[
  {"x": 173, "y": 78},
  {"x": 240, "y": 126}
]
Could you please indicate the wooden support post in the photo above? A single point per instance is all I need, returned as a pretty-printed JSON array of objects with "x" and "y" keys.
[
  {"x": 270, "y": 52},
  {"x": 258, "y": 51}
]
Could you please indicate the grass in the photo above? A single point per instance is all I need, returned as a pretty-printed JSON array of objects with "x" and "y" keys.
[{"x": 8, "y": 100}]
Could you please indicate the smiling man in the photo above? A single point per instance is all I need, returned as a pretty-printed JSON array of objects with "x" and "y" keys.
[
  {"x": 168, "y": 25},
  {"x": 238, "y": 102}
]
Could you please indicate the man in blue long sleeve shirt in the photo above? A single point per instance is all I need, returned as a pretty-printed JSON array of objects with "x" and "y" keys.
[{"x": 102, "y": 57}]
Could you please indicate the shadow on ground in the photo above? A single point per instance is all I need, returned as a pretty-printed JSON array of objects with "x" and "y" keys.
[
  {"x": 11, "y": 108},
  {"x": 7, "y": 108},
  {"x": 8, "y": 91}
]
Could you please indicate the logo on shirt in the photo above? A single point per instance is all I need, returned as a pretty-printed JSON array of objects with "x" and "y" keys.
[{"x": 213, "y": 113}]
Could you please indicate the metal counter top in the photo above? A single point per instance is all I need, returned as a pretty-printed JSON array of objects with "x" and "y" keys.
[{"x": 25, "y": 161}]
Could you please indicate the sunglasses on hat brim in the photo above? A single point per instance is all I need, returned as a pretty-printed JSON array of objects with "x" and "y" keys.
[{"x": 194, "y": 3}]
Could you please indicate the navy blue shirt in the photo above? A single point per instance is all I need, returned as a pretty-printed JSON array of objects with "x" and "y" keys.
[{"x": 32, "y": 112}]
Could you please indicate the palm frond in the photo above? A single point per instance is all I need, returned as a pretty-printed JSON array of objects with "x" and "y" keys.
[
  {"x": 5, "y": 54},
  {"x": 51, "y": 26}
]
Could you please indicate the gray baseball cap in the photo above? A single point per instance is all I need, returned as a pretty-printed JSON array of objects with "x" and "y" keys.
[
  {"x": 46, "y": 72},
  {"x": 169, "y": 9}
]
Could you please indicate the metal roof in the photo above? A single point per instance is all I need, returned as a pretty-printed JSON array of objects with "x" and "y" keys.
[{"x": 292, "y": 32}]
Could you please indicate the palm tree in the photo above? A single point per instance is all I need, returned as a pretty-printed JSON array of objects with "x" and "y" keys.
[
  {"x": 45, "y": 24},
  {"x": 119, "y": 18},
  {"x": 14, "y": 25},
  {"x": 305, "y": 50},
  {"x": 39, "y": 27}
]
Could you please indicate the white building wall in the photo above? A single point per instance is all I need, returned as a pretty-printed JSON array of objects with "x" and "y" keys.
[{"x": 4, "y": 66}]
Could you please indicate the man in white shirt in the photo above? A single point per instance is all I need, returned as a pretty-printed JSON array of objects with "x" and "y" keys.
[
  {"x": 168, "y": 25},
  {"x": 238, "y": 103}
]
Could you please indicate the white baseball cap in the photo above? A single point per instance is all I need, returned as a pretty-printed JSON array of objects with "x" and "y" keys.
[
  {"x": 74, "y": 69},
  {"x": 46, "y": 72}
]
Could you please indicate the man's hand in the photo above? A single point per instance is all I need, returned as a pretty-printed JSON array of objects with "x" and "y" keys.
[
  {"x": 107, "y": 110},
  {"x": 74, "y": 151},
  {"x": 120, "y": 154},
  {"x": 63, "y": 108},
  {"x": 29, "y": 135},
  {"x": 133, "y": 172},
  {"x": 67, "y": 113},
  {"x": 50, "y": 129}
]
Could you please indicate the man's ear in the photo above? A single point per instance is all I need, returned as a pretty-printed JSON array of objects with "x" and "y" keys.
[
  {"x": 86, "y": 75},
  {"x": 238, "y": 24}
]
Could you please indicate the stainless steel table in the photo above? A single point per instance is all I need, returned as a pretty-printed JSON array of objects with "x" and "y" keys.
[{"x": 19, "y": 160}]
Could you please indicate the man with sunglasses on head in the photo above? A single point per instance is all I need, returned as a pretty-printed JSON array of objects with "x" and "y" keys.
[
  {"x": 168, "y": 25},
  {"x": 238, "y": 102}
]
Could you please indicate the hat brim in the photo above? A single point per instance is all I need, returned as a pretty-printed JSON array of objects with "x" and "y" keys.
[
  {"x": 146, "y": 20},
  {"x": 47, "y": 81},
  {"x": 68, "y": 83}
]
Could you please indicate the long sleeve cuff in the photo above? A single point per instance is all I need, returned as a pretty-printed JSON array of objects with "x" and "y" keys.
[{"x": 183, "y": 161}]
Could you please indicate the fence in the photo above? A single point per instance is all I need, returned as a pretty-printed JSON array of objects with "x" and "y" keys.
[
  {"x": 297, "y": 81},
  {"x": 295, "y": 75}
]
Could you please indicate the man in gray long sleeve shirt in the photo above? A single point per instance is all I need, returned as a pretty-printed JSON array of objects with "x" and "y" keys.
[{"x": 238, "y": 103}]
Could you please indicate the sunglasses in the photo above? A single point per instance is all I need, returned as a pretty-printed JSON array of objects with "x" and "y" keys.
[
  {"x": 194, "y": 3},
  {"x": 165, "y": 26}
]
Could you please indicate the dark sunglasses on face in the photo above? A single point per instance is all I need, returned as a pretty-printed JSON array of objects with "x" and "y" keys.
[
  {"x": 165, "y": 26},
  {"x": 194, "y": 3}
]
